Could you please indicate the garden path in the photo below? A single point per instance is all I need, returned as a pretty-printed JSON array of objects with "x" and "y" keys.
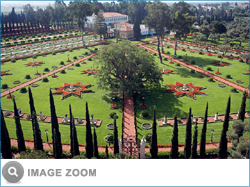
[
  {"x": 220, "y": 79},
  {"x": 45, "y": 75},
  {"x": 129, "y": 133}
]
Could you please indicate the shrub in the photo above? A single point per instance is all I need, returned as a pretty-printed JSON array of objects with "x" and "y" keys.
[
  {"x": 168, "y": 47},
  {"x": 165, "y": 59},
  {"x": 75, "y": 57},
  {"x": 46, "y": 69},
  {"x": 61, "y": 63},
  {"x": 154, "y": 54},
  {"x": 22, "y": 42},
  {"x": 53, "y": 53},
  {"x": 233, "y": 90},
  {"x": 192, "y": 62},
  {"x": 70, "y": 50},
  {"x": 34, "y": 56},
  {"x": 178, "y": 64},
  {"x": 48, "y": 38},
  {"x": 23, "y": 90},
  {"x": 77, "y": 64},
  {"x": 168, "y": 53},
  {"x": 90, "y": 59},
  {"x": 144, "y": 114},
  {"x": 76, "y": 34},
  {"x": 148, "y": 137},
  {"x": 210, "y": 79},
  {"x": 13, "y": 60},
  {"x": 34, "y": 154},
  {"x": 180, "y": 57},
  {"x": 27, "y": 77},
  {"x": 36, "y": 40},
  {"x": 192, "y": 71},
  {"x": 96, "y": 49},
  {"x": 228, "y": 76},
  {"x": 60, "y": 36},
  {"x": 15, "y": 43},
  {"x": 209, "y": 68},
  {"x": 200, "y": 53},
  {"x": 63, "y": 71},
  {"x": 219, "y": 56},
  {"x": 240, "y": 60},
  {"x": 42, "y": 39},
  {"x": 112, "y": 114},
  {"x": 4, "y": 86},
  {"x": 183, "y": 49},
  {"x": 7, "y": 39},
  {"x": 39, "y": 35},
  {"x": 45, "y": 79},
  {"x": 29, "y": 41}
]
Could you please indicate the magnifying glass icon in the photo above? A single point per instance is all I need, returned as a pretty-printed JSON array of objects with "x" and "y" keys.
[{"x": 12, "y": 171}]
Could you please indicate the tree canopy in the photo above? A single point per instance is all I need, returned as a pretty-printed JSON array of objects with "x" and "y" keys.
[{"x": 126, "y": 67}]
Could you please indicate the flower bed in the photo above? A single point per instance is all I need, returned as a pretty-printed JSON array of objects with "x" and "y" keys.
[
  {"x": 222, "y": 85},
  {"x": 239, "y": 81},
  {"x": 37, "y": 73},
  {"x": 202, "y": 76},
  {"x": 146, "y": 126},
  {"x": 171, "y": 62},
  {"x": 54, "y": 76},
  {"x": 113, "y": 106},
  {"x": 218, "y": 73},
  {"x": 16, "y": 82},
  {"x": 143, "y": 106},
  {"x": 10, "y": 96},
  {"x": 110, "y": 126}
]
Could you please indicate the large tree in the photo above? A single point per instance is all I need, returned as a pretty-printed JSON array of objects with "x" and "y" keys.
[
  {"x": 158, "y": 19},
  {"x": 80, "y": 10},
  {"x": 74, "y": 146},
  {"x": 127, "y": 67},
  {"x": 89, "y": 140},
  {"x": 5, "y": 139},
  {"x": 223, "y": 138},
  {"x": 188, "y": 139},
  {"x": 153, "y": 145},
  {"x": 57, "y": 145},
  {"x": 242, "y": 111},
  {"x": 19, "y": 131},
  {"x": 174, "y": 145},
  {"x": 217, "y": 27},
  {"x": 100, "y": 25},
  {"x": 203, "y": 136},
  {"x": 240, "y": 145}
]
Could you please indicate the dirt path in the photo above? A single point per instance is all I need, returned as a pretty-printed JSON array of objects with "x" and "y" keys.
[{"x": 129, "y": 134}]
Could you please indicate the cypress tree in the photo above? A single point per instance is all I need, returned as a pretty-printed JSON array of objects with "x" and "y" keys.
[
  {"x": 5, "y": 139},
  {"x": 116, "y": 146},
  {"x": 96, "y": 154},
  {"x": 153, "y": 146},
  {"x": 188, "y": 140},
  {"x": 242, "y": 108},
  {"x": 19, "y": 131},
  {"x": 74, "y": 148},
  {"x": 31, "y": 102},
  {"x": 203, "y": 136},
  {"x": 38, "y": 142},
  {"x": 223, "y": 138},
  {"x": 194, "y": 146},
  {"x": 89, "y": 142},
  {"x": 56, "y": 151},
  {"x": 107, "y": 152},
  {"x": 54, "y": 125},
  {"x": 174, "y": 146}
]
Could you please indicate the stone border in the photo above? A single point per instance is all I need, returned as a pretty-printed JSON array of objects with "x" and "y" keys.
[{"x": 145, "y": 127}]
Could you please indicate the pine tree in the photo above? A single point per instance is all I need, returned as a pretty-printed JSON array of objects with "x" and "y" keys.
[
  {"x": 5, "y": 139},
  {"x": 19, "y": 131},
  {"x": 57, "y": 145},
  {"x": 38, "y": 142},
  {"x": 174, "y": 146},
  {"x": 116, "y": 145},
  {"x": 242, "y": 108},
  {"x": 74, "y": 146},
  {"x": 194, "y": 146},
  {"x": 89, "y": 142},
  {"x": 203, "y": 136},
  {"x": 107, "y": 152},
  {"x": 96, "y": 154},
  {"x": 188, "y": 140},
  {"x": 153, "y": 146},
  {"x": 223, "y": 138}
]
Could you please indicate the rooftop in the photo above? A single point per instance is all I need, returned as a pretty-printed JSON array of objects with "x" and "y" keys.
[
  {"x": 111, "y": 14},
  {"x": 126, "y": 28}
]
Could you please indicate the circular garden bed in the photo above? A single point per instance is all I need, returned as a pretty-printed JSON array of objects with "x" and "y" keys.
[
  {"x": 110, "y": 126},
  {"x": 16, "y": 82},
  {"x": 34, "y": 85},
  {"x": 239, "y": 81},
  {"x": 222, "y": 85},
  {"x": 146, "y": 126}
]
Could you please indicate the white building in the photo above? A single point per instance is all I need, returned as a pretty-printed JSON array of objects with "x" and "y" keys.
[{"x": 110, "y": 17}]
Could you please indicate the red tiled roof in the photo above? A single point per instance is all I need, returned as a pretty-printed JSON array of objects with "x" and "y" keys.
[
  {"x": 110, "y": 32},
  {"x": 126, "y": 28},
  {"x": 111, "y": 14},
  {"x": 124, "y": 23}
]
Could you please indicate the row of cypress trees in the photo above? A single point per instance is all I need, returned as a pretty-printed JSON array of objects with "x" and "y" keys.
[
  {"x": 91, "y": 146},
  {"x": 190, "y": 150}
]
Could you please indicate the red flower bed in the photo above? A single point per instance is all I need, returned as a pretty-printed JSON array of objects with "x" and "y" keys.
[
  {"x": 54, "y": 76},
  {"x": 218, "y": 73},
  {"x": 2, "y": 62},
  {"x": 209, "y": 54},
  {"x": 171, "y": 62},
  {"x": 201, "y": 76},
  {"x": 77, "y": 49},
  {"x": 113, "y": 106},
  {"x": 186, "y": 60},
  {"x": 10, "y": 96},
  {"x": 83, "y": 62},
  {"x": 44, "y": 55},
  {"x": 143, "y": 105},
  {"x": 37, "y": 73}
]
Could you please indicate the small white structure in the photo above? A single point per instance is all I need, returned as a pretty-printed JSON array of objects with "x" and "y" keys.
[
  {"x": 142, "y": 148},
  {"x": 41, "y": 117},
  {"x": 120, "y": 145},
  {"x": 65, "y": 119},
  {"x": 216, "y": 117}
]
